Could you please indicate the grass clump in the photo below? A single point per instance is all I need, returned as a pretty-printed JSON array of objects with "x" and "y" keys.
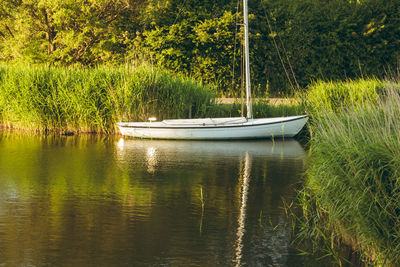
[
  {"x": 93, "y": 100},
  {"x": 323, "y": 97},
  {"x": 352, "y": 190}
]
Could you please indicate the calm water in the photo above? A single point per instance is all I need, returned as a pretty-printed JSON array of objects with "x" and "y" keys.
[{"x": 94, "y": 201}]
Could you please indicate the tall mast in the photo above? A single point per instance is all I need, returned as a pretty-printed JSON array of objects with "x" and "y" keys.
[{"x": 246, "y": 60}]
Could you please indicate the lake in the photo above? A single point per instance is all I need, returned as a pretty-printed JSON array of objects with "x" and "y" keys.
[{"x": 108, "y": 201}]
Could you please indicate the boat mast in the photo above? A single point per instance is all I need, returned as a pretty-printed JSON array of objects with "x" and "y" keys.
[{"x": 246, "y": 60}]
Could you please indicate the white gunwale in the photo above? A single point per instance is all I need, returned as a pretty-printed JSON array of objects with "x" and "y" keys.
[{"x": 192, "y": 124}]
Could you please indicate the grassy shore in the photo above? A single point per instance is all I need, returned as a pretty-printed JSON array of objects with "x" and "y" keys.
[
  {"x": 352, "y": 188},
  {"x": 93, "y": 99}
]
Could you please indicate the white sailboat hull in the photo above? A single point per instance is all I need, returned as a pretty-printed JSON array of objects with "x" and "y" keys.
[{"x": 215, "y": 129}]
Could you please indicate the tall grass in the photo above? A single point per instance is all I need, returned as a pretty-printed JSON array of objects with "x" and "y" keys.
[
  {"x": 326, "y": 97},
  {"x": 93, "y": 100},
  {"x": 352, "y": 191}
]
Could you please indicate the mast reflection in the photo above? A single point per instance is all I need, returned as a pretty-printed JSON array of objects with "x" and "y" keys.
[{"x": 245, "y": 174}]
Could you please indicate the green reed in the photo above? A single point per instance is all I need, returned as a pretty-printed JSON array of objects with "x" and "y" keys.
[
  {"x": 323, "y": 97},
  {"x": 93, "y": 100},
  {"x": 352, "y": 188}
]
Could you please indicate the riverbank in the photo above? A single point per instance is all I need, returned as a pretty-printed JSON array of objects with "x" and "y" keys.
[
  {"x": 352, "y": 192},
  {"x": 81, "y": 100}
]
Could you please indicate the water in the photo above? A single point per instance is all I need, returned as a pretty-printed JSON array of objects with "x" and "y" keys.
[{"x": 98, "y": 201}]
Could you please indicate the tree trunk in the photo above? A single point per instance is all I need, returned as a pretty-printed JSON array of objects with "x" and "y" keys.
[{"x": 50, "y": 32}]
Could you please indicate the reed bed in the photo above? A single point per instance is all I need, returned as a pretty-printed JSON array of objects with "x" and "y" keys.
[
  {"x": 93, "y": 100},
  {"x": 352, "y": 189},
  {"x": 70, "y": 100}
]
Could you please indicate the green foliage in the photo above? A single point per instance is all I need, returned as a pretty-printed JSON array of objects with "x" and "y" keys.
[
  {"x": 95, "y": 99},
  {"x": 292, "y": 43},
  {"x": 333, "y": 40},
  {"x": 67, "y": 32},
  {"x": 202, "y": 49}
]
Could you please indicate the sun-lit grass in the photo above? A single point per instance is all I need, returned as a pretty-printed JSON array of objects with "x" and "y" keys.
[
  {"x": 326, "y": 97},
  {"x": 93, "y": 100},
  {"x": 352, "y": 189}
]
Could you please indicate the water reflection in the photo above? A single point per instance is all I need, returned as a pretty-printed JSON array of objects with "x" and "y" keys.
[
  {"x": 195, "y": 152},
  {"x": 90, "y": 201},
  {"x": 269, "y": 245},
  {"x": 277, "y": 149},
  {"x": 245, "y": 177}
]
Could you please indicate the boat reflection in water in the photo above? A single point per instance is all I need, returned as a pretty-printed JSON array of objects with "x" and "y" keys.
[
  {"x": 259, "y": 233},
  {"x": 180, "y": 150}
]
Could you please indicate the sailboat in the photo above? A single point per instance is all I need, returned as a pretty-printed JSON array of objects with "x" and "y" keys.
[{"x": 219, "y": 128}]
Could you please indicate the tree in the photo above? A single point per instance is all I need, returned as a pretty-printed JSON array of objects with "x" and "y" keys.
[{"x": 68, "y": 31}]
